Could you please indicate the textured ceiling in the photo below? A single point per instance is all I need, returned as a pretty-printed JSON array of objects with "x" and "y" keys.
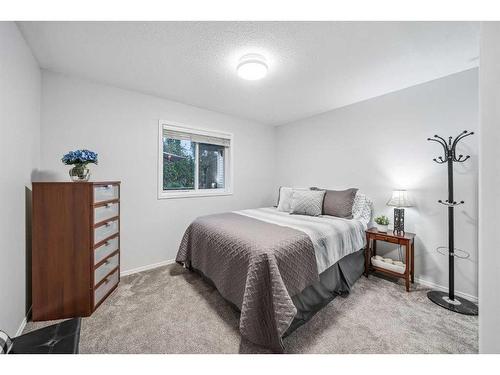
[{"x": 314, "y": 66}]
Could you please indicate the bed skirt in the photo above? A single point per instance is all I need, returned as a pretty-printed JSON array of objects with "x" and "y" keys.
[{"x": 336, "y": 280}]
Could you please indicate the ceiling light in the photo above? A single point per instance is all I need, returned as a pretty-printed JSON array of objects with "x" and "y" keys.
[{"x": 252, "y": 67}]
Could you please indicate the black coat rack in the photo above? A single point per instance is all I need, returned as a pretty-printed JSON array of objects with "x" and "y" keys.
[{"x": 449, "y": 300}]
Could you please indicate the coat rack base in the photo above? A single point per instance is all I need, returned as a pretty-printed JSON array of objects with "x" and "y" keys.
[{"x": 459, "y": 305}]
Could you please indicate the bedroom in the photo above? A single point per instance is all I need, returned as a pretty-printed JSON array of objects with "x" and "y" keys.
[{"x": 240, "y": 171}]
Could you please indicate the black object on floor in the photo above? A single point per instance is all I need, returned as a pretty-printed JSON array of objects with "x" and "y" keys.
[
  {"x": 61, "y": 338},
  {"x": 459, "y": 304},
  {"x": 453, "y": 303}
]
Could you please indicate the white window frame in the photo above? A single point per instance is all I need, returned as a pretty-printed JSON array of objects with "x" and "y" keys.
[{"x": 228, "y": 163}]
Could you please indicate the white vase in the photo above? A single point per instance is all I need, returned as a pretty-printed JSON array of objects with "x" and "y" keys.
[{"x": 381, "y": 228}]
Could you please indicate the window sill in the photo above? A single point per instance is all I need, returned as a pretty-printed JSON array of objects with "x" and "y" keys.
[{"x": 190, "y": 194}]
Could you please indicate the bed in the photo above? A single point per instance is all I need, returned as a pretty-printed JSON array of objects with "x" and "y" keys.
[{"x": 278, "y": 269}]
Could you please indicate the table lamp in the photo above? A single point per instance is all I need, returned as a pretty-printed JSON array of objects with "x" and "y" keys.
[{"x": 399, "y": 200}]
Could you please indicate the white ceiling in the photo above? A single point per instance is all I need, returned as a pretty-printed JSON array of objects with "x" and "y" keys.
[{"x": 314, "y": 66}]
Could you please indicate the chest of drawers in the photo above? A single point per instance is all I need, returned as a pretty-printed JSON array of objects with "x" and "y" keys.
[{"x": 76, "y": 247}]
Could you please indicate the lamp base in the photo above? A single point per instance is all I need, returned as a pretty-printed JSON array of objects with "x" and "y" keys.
[
  {"x": 459, "y": 305},
  {"x": 399, "y": 221}
]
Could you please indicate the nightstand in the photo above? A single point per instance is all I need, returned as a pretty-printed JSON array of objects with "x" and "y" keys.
[{"x": 407, "y": 240}]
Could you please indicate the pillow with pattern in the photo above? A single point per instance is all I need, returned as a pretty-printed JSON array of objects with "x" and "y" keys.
[
  {"x": 308, "y": 202},
  {"x": 285, "y": 197},
  {"x": 362, "y": 208}
]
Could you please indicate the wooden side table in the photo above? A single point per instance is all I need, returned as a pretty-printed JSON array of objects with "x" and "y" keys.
[{"x": 407, "y": 240}]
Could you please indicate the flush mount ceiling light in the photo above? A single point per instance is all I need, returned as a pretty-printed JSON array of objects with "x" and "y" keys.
[{"x": 252, "y": 67}]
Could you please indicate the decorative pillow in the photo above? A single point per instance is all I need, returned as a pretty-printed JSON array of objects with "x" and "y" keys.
[
  {"x": 285, "y": 198},
  {"x": 362, "y": 208},
  {"x": 308, "y": 202},
  {"x": 339, "y": 203},
  {"x": 5, "y": 343}
]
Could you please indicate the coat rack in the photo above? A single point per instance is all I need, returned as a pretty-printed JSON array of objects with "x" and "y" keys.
[{"x": 449, "y": 300}]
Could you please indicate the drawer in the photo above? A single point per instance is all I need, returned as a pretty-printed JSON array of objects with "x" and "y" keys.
[
  {"x": 106, "y": 230},
  {"x": 106, "y": 211},
  {"x": 105, "y": 249},
  {"x": 105, "y": 287},
  {"x": 381, "y": 237},
  {"x": 106, "y": 193},
  {"x": 105, "y": 268}
]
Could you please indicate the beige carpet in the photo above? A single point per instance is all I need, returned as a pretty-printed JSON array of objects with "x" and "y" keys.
[{"x": 170, "y": 310}]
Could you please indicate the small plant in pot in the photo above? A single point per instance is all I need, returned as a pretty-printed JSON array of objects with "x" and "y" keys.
[
  {"x": 382, "y": 222},
  {"x": 79, "y": 159}
]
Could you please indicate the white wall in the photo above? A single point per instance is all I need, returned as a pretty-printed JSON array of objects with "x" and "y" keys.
[
  {"x": 489, "y": 182},
  {"x": 379, "y": 145},
  {"x": 122, "y": 127},
  {"x": 19, "y": 151}
]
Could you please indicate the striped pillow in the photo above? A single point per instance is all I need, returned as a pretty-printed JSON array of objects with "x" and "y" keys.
[{"x": 5, "y": 343}]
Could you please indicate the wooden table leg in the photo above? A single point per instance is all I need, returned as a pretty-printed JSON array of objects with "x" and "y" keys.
[
  {"x": 413, "y": 261},
  {"x": 408, "y": 265},
  {"x": 367, "y": 255}
]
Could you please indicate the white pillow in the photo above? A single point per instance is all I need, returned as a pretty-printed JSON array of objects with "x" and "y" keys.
[{"x": 285, "y": 199}]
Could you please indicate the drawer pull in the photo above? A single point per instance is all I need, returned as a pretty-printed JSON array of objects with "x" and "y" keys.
[
  {"x": 108, "y": 205},
  {"x": 107, "y": 187},
  {"x": 108, "y": 224},
  {"x": 107, "y": 243}
]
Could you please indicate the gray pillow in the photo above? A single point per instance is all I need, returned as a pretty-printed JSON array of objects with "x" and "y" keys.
[
  {"x": 307, "y": 202},
  {"x": 339, "y": 203}
]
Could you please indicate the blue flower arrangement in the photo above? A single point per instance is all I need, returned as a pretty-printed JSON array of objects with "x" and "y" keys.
[{"x": 80, "y": 157}]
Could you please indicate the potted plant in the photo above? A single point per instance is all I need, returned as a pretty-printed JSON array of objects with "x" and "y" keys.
[
  {"x": 79, "y": 159},
  {"x": 382, "y": 223}
]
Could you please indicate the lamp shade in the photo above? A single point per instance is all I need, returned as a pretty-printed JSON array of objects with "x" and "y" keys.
[{"x": 400, "y": 199}]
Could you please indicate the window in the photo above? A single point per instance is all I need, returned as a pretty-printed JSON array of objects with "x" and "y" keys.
[{"x": 193, "y": 162}]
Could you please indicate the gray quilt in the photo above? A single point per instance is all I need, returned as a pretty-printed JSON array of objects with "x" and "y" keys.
[{"x": 256, "y": 265}]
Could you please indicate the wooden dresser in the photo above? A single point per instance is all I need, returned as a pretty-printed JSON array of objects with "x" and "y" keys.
[{"x": 76, "y": 247}]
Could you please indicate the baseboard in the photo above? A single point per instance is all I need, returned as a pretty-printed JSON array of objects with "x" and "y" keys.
[
  {"x": 432, "y": 285},
  {"x": 147, "y": 267},
  {"x": 23, "y": 324},
  {"x": 21, "y": 327}
]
